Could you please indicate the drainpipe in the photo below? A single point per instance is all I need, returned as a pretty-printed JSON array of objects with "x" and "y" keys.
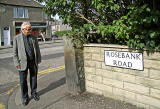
[{"x": 2, "y": 10}]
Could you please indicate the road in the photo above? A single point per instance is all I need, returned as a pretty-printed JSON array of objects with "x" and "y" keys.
[{"x": 52, "y": 58}]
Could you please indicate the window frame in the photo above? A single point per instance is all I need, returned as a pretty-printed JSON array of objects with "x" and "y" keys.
[
  {"x": 20, "y": 12},
  {"x": 26, "y": 13},
  {"x": 15, "y": 12}
]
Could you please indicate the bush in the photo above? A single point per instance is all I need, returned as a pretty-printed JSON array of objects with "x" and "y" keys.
[{"x": 61, "y": 33}]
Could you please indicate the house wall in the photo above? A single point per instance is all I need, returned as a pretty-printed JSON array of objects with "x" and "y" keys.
[
  {"x": 141, "y": 88},
  {"x": 35, "y": 15},
  {"x": 6, "y": 20}
]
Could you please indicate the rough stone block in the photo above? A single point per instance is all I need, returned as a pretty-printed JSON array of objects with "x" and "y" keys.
[
  {"x": 99, "y": 72},
  {"x": 105, "y": 73},
  {"x": 92, "y": 50},
  {"x": 112, "y": 82},
  {"x": 152, "y": 56},
  {"x": 98, "y": 86},
  {"x": 155, "y": 92},
  {"x": 136, "y": 88},
  {"x": 124, "y": 77},
  {"x": 148, "y": 100},
  {"x": 144, "y": 73},
  {"x": 130, "y": 95},
  {"x": 90, "y": 70},
  {"x": 148, "y": 82},
  {"x": 99, "y": 65},
  {"x": 154, "y": 64},
  {"x": 90, "y": 77},
  {"x": 117, "y": 75},
  {"x": 111, "y": 68},
  {"x": 94, "y": 78},
  {"x": 96, "y": 57},
  {"x": 103, "y": 87},
  {"x": 87, "y": 56},
  {"x": 89, "y": 63},
  {"x": 97, "y": 79},
  {"x": 89, "y": 83},
  {"x": 92, "y": 90},
  {"x": 110, "y": 95},
  {"x": 103, "y": 49},
  {"x": 155, "y": 74},
  {"x": 102, "y": 57},
  {"x": 140, "y": 87},
  {"x": 118, "y": 92}
]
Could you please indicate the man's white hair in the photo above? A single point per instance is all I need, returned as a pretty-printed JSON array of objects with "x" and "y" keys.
[{"x": 24, "y": 25}]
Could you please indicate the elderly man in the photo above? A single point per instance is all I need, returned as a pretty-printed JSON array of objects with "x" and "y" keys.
[{"x": 26, "y": 56}]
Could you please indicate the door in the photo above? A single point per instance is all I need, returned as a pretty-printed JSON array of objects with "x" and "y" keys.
[{"x": 6, "y": 34}]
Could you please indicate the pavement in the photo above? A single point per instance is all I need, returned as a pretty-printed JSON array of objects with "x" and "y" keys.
[{"x": 53, "y": 93}]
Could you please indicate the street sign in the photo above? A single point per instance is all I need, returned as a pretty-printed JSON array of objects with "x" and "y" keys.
[{"x": 130, "y": 60}]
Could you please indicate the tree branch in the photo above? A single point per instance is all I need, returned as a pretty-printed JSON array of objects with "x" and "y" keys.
[{"x": 82, "y": 16}]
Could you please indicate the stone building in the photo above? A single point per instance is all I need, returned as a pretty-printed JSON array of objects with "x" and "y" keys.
[
  {"x": 58, "y": 26},
  {"x": 14, "y": 12}
]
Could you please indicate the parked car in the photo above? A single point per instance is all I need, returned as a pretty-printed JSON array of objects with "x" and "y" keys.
[{"x": 54, "y": 36}]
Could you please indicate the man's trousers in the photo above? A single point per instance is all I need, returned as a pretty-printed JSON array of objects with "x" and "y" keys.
[{"x": 31, "y": 66}]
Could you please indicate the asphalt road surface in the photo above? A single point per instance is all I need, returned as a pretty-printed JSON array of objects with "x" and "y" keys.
[{"x": 52, "y": 57}]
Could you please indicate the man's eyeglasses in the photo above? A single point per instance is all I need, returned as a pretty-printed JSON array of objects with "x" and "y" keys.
[{"x": 27, "y": 29}]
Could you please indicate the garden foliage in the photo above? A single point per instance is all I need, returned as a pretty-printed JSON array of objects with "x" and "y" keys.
[{"x": 135, "y": 23}]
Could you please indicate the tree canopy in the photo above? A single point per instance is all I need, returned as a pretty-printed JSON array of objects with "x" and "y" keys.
[{"x": 135, "y": 23}]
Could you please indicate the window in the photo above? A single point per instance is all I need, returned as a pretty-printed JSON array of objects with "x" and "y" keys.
[
  {"x": 20, "y": 12},
  {"x": 15, "y": 12},
  {"x": 26, "y": 13}
]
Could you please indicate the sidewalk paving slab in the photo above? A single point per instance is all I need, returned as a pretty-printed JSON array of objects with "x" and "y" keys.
[{"x": 53, "y": 95}]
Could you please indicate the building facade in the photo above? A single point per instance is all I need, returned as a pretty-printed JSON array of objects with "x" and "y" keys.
[
  {"x": 58, "y": 26},
  {"x": 17, "y": 11}
]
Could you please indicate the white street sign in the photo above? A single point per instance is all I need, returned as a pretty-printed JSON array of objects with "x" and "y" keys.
[{"x": 130, "y": 60}]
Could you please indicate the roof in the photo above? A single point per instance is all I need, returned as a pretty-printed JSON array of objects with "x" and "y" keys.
[{"x": 27, "y": 3}]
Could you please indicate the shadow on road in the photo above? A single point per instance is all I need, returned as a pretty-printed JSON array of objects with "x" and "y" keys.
[{"x": 52, "y": 86}]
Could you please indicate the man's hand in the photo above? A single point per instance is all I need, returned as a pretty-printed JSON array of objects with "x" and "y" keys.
[{"x": 18, "y": 66}]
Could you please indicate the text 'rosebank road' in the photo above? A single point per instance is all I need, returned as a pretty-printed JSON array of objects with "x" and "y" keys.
[{"x": 129, "y": 60}]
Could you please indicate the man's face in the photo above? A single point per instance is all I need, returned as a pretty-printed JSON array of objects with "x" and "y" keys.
[{"x": 27, "y": 31}]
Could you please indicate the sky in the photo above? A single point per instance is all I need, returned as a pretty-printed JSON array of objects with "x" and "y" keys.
[{"x": 56, "y": 17}]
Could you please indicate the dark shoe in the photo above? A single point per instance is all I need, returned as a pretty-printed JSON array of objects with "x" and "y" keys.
[
  {"x": 36, "y": 97},
  {"x": 25, "y": 101}
]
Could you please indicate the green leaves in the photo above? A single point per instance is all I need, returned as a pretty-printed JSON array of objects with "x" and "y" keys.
[
  {"x": 115, "y": 7},
  {"x": 128, "y": 22},
  {"x": 136, "y": 36},
  {"x": 152, "y": 35},
  {"x": 148, "y": 9}
]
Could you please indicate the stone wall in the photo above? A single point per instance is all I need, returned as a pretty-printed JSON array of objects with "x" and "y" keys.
[{"x": 141, "y": 88}]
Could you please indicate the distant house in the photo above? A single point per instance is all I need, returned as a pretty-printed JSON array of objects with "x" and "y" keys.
[
  {"x": 58, "y": 26},
  {"x": 17, "y": 11}
]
